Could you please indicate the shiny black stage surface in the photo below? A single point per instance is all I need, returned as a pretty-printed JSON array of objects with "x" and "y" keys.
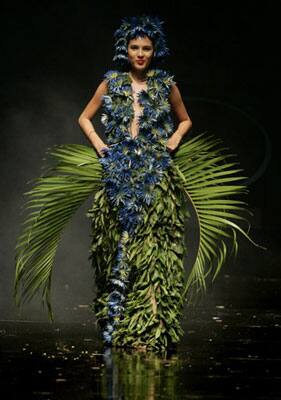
[{"x": 231, "y": 349}]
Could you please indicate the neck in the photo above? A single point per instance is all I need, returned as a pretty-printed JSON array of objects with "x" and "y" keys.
[{"x": 139, "y": 76}]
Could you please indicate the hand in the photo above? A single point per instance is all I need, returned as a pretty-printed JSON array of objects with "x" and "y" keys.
[
  {"x": 101, "y": 149},
  {"x": 173, "y": 142}
]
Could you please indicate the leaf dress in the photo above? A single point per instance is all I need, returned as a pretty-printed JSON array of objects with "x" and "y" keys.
[{"x": 141, "y": 199}]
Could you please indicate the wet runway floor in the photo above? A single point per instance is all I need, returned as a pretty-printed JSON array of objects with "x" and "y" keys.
[{"x": 231, "y": 349}]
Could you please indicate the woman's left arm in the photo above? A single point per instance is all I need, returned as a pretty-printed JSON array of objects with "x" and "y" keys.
[{"x": 185, "y": 122}]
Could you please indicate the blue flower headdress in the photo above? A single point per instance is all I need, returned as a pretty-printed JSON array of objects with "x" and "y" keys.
[{"x": 139, "y": 26}]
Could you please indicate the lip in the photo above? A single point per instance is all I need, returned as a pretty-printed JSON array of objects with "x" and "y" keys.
[{"x": 140, "y": 62}]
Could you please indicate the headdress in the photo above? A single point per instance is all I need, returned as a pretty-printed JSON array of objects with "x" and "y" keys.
[{"x": 139, "y": 26}]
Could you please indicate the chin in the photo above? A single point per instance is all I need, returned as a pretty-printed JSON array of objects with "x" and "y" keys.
[{"x": 141, "y": 67}]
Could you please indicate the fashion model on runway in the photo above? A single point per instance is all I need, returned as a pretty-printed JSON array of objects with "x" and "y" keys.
[{"x": 144, "y": 181}]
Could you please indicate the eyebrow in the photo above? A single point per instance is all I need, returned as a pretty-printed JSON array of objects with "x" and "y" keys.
[{"x": 146, "y": 45}]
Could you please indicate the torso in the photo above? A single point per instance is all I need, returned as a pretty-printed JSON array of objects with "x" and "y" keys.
[
  {"x": 136, "y": 88},
  {"x": 143, "y": 115}
]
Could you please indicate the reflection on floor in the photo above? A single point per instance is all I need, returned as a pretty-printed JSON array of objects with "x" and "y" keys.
[{"x": 231, "y": 349}]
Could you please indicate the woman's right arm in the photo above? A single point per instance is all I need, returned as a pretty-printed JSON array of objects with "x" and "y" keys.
[{"x": 88, "y": 113}]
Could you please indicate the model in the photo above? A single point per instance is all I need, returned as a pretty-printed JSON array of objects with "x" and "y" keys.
[{"x": 143, "y": 181}]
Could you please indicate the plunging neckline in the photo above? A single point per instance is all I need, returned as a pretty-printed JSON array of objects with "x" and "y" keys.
[{"x": 135, "y": 94}]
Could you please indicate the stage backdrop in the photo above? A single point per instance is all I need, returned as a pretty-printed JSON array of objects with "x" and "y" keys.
[{"x": 54, "y": 54}]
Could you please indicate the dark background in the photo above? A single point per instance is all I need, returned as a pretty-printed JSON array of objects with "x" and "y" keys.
[{"x": 54, "y": 54}]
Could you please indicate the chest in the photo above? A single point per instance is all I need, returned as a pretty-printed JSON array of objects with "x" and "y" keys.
[
  {"x": 136, "y": 108},
  {"x": 136, "y": 89}
]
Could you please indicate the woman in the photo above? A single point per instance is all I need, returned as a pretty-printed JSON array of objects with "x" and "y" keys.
[
  {"x": 137, "y": 85},
  {"x": 143, "y": 182}
]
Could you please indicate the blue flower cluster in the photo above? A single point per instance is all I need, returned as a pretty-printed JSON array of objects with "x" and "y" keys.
[
  {"x": 131, "y": 170},
  {"x": 156, "y": 122}
]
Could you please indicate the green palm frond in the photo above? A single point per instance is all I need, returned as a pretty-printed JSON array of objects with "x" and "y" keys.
[
  {"x": 210, "y": 183},
  {"x": 55, "y": 197}
]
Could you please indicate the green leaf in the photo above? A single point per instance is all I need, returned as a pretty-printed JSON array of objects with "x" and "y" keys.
[
  {"x": 55, "y": 197},
  {"x": 207, "y": 179}
]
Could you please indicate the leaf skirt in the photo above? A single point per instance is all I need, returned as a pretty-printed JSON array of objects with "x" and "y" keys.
[{"x": 152, "y": 302}]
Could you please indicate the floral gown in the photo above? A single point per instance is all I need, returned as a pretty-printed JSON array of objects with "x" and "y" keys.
[{"x": 138, "y": 218}]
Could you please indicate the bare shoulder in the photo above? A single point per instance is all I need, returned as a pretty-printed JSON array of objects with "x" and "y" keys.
[
  {"x": 177, "y": 104},
  {"x": 175, "y": 94},
  {"x": 102, "y": 87},
  {"x": 96, "y": 101}
]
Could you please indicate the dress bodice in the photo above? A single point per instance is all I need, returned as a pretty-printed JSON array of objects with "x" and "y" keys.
[{"x": 134, "y": 110}]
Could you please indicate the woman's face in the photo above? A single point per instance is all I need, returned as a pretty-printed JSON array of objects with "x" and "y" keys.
[{"x": 140, "y": 53}]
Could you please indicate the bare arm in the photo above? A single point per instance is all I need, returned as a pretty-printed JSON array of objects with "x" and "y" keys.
[
  {"x": 88, "y": 113},
  {"x": 185, "y": 122}
]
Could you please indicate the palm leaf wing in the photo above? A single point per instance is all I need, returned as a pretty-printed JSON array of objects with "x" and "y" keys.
[
  {"x": 210, "y": 182},
  {"x": 51, "y": 203}
]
